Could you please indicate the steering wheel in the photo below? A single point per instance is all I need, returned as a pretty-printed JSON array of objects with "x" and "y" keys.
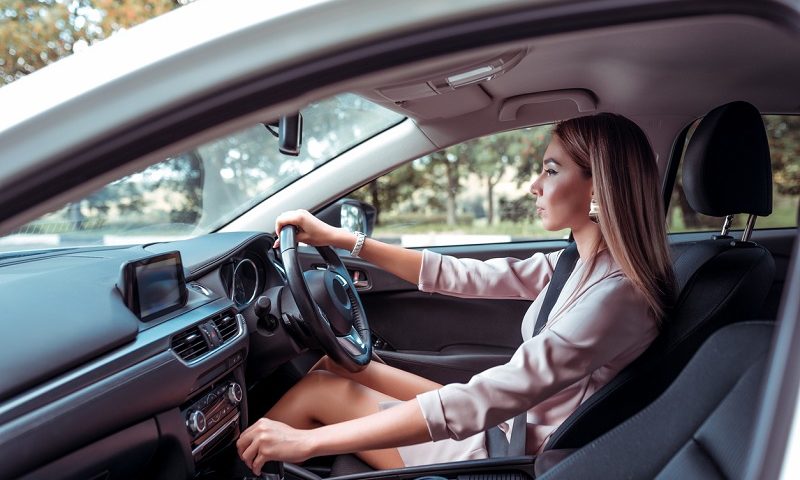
[{"x": 329, "y": 304}]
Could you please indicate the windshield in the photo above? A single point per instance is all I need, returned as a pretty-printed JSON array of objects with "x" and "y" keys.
[{"x": 201, "y": 190}]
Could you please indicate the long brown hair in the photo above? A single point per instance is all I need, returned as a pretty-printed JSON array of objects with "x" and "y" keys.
[{"x": 615, "y": 152}]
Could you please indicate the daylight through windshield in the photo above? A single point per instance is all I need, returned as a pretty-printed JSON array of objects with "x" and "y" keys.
[{"x": 198, "y": 191}]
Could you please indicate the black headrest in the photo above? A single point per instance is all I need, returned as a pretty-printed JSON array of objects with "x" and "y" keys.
[{"x": 726, "y": 168}]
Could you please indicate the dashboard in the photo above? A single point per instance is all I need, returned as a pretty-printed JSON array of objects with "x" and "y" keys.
[{"x": 121, "y": 387}]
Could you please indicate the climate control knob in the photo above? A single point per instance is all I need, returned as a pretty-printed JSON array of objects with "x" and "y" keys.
[
  {"x": 234, "y": 393},
  {"x": 196, "y": 422}
]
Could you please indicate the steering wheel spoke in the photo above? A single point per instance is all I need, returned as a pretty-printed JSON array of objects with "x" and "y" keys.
[
  {"x": 329, "y": 304},
  {"x": 352, "y": 343}
]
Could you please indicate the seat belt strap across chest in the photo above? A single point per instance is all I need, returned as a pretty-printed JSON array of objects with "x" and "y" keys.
[{"x": 564, "y": 267}]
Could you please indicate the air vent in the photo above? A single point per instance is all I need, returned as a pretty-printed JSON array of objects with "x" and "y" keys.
[
  {"x": 189, "y": 344},
  {"x": 227, "y": 325},
  {"x": 208, "y": 335}
]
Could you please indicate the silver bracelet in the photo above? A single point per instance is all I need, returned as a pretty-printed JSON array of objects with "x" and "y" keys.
[{"x": 360, "y": 237}]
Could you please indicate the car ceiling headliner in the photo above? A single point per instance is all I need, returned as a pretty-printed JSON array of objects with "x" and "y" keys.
[{"x": 662, "y": 74}]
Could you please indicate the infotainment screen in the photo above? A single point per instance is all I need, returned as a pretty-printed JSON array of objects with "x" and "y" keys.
[{"x": 154, "y": 286}]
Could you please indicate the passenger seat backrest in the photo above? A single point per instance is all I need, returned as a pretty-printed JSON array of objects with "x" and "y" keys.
[{"x": 727, "y": 170}]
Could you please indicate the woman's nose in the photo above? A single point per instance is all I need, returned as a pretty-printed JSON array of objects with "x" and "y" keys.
[{"x": 535, "y": 188}]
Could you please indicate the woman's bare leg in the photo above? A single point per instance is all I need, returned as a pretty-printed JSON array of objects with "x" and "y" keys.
[
  {"x": 383, "y": 378},
  {"x": 324, "y": 398}
]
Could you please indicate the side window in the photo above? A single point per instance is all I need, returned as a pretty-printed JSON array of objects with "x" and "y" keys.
[
  {"x": 783, "y": 133},
  {"x": 471, "y": 193}
]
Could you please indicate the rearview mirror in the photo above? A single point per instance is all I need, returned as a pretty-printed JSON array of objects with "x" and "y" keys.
[{"x": 289, "y": 133}]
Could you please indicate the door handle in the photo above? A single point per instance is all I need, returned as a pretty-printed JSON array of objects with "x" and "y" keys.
[
  {"x": 360, "y": 280},
  {"x": 359, "y": 277}
]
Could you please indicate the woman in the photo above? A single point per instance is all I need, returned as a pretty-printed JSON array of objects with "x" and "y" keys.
[{"x": 599, "y": 179}]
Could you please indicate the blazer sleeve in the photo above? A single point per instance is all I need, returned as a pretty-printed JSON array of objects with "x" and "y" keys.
[
  {"x": 502, "y": 278},
  {"x": 609, "y": 319}
]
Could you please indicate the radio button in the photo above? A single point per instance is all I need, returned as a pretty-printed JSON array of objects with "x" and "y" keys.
[
  {"x": 234, "y": 393},
  {"x": 196, "y": 422}
]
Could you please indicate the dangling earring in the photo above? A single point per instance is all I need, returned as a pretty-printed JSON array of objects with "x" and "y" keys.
[{"x": 594, "y": 211}]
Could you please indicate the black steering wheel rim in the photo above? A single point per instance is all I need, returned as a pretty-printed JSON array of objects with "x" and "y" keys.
[{"x": 352, "y": 348}]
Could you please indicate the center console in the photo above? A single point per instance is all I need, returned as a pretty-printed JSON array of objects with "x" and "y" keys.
[
  {"x": 213, "y": 418},
  {"x": 216, "y": 413}
]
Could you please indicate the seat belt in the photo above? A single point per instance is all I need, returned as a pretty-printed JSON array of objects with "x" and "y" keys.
[
  {"x": 564, "y": 267},
  {"x": 516, "y": 447}
]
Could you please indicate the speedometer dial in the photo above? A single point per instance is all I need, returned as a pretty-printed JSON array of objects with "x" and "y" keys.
[{"x": 245, "y": 282}]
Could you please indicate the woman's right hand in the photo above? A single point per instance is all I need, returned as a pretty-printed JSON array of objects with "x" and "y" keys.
[
  {"x": 310, "y": 229},
  {"x": 268, "y": 440}
]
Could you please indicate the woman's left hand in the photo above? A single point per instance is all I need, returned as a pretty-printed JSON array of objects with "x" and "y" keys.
[{"x": 268, "y": 440}]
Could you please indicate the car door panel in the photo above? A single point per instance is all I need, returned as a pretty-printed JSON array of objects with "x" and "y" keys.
[
  {"x": 443, "y": 338},
  {"x": 444, "y": 368}
]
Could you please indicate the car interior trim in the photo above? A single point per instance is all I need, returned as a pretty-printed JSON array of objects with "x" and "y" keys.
[
  {"x": 214, "y": 351},
  {"x": 215, "y": 435},
  {"x": 584, "y": 100},
  {"x": 110, "y": 153}
]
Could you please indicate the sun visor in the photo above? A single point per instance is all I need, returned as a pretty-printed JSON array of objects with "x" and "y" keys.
[{"x": 452, "y": 104}]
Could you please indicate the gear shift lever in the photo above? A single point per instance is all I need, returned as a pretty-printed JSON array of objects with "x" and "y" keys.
[{"x": 272, "y": 471}]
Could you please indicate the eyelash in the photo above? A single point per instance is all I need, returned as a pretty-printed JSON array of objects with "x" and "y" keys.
[{"x": 550, "y": 172}]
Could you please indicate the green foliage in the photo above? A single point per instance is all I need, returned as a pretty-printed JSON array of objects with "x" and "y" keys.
[
  {"x": 437, "y": 184},
  {"x": 517, "y": 210},
  {"x": 208, "y": 186},
  {"x": 35, "y": 33},
  {"x": 494, "y": 155},
  {"x": 783, "y": 134},
  {"x": 516, "y": 231},
  {"x": 386, "y": 191},
  {"x": 413, "y": 220}
]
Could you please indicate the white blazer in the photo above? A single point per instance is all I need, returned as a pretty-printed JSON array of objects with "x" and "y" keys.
[{"x": 591, "y": 335}]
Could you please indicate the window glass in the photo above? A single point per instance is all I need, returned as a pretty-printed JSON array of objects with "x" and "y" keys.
[
  {"x": 200, "y": 190},
  {"x": 471, "y": 193},
  {"x": 783, "y": 133}
]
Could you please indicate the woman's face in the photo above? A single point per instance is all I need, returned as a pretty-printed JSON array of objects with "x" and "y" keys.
[{"x": 562, "y": 191}]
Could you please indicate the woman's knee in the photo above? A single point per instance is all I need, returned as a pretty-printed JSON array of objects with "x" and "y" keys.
[
  {"x": 307, "y": 390},
  {"x": 297, "y": 405},
  {"x": 318, "y": 381},
  {"x": 324, "y": 363}
]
